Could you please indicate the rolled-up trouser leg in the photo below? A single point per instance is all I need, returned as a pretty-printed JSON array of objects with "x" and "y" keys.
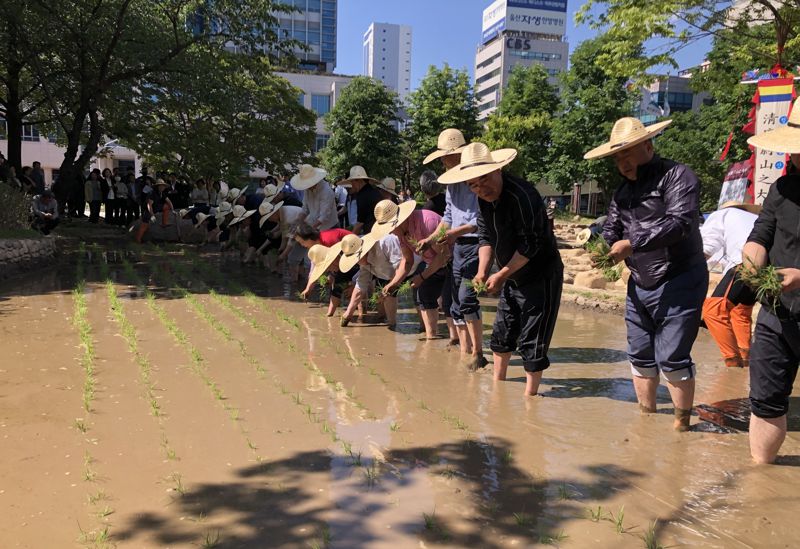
[{"x": 774, "y": 360}]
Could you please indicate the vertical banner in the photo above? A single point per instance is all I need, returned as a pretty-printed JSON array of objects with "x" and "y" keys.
[{"x": 772, "y": 112}]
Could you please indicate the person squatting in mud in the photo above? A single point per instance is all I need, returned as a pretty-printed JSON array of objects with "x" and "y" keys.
[{"x": 654, "y": 226}]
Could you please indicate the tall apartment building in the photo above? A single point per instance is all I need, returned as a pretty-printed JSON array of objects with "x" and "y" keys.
[
  {"x": 314, "y": 24},
  {"x": 518, "y": 32},
  {"x": 387, "y": 56}
]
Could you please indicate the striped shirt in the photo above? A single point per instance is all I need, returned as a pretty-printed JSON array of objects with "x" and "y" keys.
[{"x": 517, "y": 222}]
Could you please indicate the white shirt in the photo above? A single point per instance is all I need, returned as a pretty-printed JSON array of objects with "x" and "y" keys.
[
  {"x": 291, "y": 217},
  {"x": 725, "y": 233},
  {"x": 319, "y": 203},
  {"x": 382, "y": 261}
]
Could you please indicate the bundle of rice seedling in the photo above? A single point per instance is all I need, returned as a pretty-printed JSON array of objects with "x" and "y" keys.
[
  {"x": 324, "y": 285},
  {"x": 479, "y": 288},
  {"x": 612, "y": 274},
  {"x": 599, "y": 251},
  {"x": 764, "y": 281},
  {"x": 374, "y": 299},
  {"x": 440, "y": 235},
  {"x": 405, "y": 289}
]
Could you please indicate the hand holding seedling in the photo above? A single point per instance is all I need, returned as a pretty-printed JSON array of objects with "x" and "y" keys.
[
  {"x": 790, "y": 279},
  {"x": 620, "y": 251},
  {"x": 389, "y": 288},
  {"x": 495, "y": 283}
]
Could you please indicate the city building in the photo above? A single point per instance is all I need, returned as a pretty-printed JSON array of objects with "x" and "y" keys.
[
  {"x": 314, "y": 24},
  {"x": 387, "y": 56},
  {"x": 670, "y": 94},
  {"x": 518, "y": 32}
]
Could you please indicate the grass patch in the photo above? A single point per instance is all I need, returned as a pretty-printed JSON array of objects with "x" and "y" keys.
[{"x": 19, "y": 233}]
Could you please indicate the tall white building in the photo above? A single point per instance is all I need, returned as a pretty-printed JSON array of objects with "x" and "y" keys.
[
  {"x": 518, "y": 32},
  {"x": 387, "y": 56}
]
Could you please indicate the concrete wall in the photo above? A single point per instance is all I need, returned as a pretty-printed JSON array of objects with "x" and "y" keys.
[{"x": 22, "y": 255}]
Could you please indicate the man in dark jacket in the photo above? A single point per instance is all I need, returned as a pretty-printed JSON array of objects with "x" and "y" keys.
[
  {"x": 775, "y": 353},
  {"x": 513, "y": 228},
  {"x": 654, "y": 226}
]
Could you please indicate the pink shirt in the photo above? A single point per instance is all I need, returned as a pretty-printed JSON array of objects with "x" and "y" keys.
[{"x": 421, "y": 225}]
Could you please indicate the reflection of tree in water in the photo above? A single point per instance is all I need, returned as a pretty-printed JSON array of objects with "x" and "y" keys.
[{"x": 274, "y": 504}]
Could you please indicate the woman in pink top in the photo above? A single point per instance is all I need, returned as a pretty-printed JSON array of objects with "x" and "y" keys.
[{"x": 412, "y": 226}]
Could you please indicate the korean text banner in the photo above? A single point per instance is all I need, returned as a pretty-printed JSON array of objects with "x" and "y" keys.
[{"x": 550, "y": 5}]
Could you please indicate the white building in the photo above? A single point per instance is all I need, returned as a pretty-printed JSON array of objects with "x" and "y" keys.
[
  {"x": 387, "y": 56},
  {"x": 518, "y": 32}
]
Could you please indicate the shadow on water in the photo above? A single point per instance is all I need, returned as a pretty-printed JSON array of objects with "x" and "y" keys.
[
  {"x": 586, "y": 355},
  {"x": 614, "y": 388},
  {"x": 270, "y": 505}
]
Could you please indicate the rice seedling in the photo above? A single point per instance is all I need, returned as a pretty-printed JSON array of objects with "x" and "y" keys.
[
  {"x": 372, "y": 473},
  {"x": 394, "y": 426},
  {"x": 80, "y": 425},
  {"x": 599, "y": 251},
  {"x": 423, "y": 406},
  {"x": 100, "y": 495},
  {"x": 405, "y": 289},
  {"x": 764, "y": 281},
  {"x": 650, "y": 537},
  {"x": 104, "y": 512},
  {"x": 234, "y": 414},
  {"x": 448, "y": 472},
  {"x": 612, "y": 274},
  {"x": 95, "y": 538},
  {"x": 480, "y": 288},
  {"x": 618, "y": 520},
  {"x": 564, "y": 492},
  {"x": 252, "y": 445},
  {"x": 433, "y": 525},
  {"x": 595, "y": 515},
  {"x": 177, "y": 483},
  {"x": 374, "y": 300},
  {"x": 440, "y": 234},
  {"x": 554, "y": 539},
  {"x": 356, "y": 457},
  {"x": 522, "y": 519},
  {"x": 507, "y": 457},
  {"x": 210, "y": 540},
  {"x": 324, "y": 284}
]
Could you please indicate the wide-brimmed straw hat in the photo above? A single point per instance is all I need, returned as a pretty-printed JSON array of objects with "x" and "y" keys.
[
  {"x": 240, "y": 214},
  {"x": 307, "y": 177},
  {"x": 752, "y": 208},
  {"x": 358, "y": 172},
  {"x": 267, "y": 210},
  {"x": 353, "y": 249},
  {"x": 200, "y": 219},
  {"x": 322, "y": 258},
  {"x": 271, "y": 191},
  {"x": 451, "y": 141},
  {"x": 626, "y": 133},
  {"x": 234, "y": 194},
  {"x": 182, "y": 213},
  {"x": 784, "y": 139},
  {"x": 389, "y": 216},
  {"x": 223, "y": 209},
  {"x": 388, "y": 184},
  {"x": 160, "y": 183},
  {"x": 477, "y": 160}
]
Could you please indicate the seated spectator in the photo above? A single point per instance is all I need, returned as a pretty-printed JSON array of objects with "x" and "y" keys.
[{"x": 45, "y": 212}]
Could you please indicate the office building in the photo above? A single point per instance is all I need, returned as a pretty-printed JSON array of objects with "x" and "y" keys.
[
  {"x": 315, "y": 26},
  {"x": 670, "y": 94},
  {"x": 387, "y": 56},
  {"x": 518, "y": 32}
]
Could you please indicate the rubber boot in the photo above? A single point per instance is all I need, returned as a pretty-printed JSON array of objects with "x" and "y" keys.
[{"x": 682, "y": 419}]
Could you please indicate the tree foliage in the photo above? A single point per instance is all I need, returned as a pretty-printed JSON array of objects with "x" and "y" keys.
[
  {"x": 668, "y": 26},
  {"x": 226, "y": 115},
  {"x": 363, "y": 126},
  {"x": 591, "y": 101},
  {"x": 523, "y": 121},
  {"x": 444, "y": 99}
]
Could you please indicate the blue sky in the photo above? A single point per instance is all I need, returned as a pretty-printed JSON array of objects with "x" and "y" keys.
[{"x": 443, "y": 31}]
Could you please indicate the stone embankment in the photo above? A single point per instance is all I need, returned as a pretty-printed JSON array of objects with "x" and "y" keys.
[{"x": 24, "y": 254}]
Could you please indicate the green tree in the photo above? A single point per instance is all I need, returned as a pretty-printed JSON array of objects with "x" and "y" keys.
[
  {"x": 363, "y": 126},
  {"x": 591, "y": 101},
  {"x": 668, "y": 26},
  {"x": 444, "y": 99},
  {"x": 224, "y": 115},
  {"x": 523, "y": 121},
  {"x": 84, "y": 54}
]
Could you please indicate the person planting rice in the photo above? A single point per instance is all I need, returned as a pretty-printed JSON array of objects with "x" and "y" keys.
[
  {"x": 413, "y": 226},
  {"x": 325, "y": 269},
  {"x": 286, "y": 219},
  {"x": 773, "y": 249},
  {"x": 378, "y": 260},
  {"x": 513, "y": 227},
  {"x": 654, "y": 226}
]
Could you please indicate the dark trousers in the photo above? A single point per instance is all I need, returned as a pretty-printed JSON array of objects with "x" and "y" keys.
[
  {"x": 465, "y": 304},
  {"x": 774, "y": 359},
  {"x": 110, "y": 205},
  {"x": 94, "y": 211},
  {"x": 526, "y": 318},
  {"x": 133, "y": 209},
  {"x": 426, "y": 297},
  {"x": 45, "y": 225},
  {"x": 120, "y": 206},
  {"x": 663, "y": 323}
]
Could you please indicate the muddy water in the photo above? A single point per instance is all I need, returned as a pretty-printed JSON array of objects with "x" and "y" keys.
[{"x": 278, "y": 428}]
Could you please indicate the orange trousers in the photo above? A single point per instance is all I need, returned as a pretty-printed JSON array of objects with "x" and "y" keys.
[{"x": 731, "y": 327}]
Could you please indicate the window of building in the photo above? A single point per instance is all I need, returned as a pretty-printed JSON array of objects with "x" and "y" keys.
[
  {"x": 491, "y": 89},
  {"x": 489, "y": 61},
  {"x": 314, "y": 6},
  {"x": 321, "y": 142},
  {"x": 535, "y": 55},
  {"x": 486, "y": 106},
  {"x": 301, "y": 99},
  {"x": 30, "y": 133},
  {"x": 299, "y": 34},
  {"x": 313, "y": 37},
  {"x": 300, "y": 4},
  {"x": 321, "y": 104},
  {"x": 488, "y": 76}
]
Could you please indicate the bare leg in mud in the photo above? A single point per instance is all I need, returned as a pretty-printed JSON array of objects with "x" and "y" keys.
[
  {"x": 766, "y": 437},
  {"x": 646, "y": 388},
  {"x": 464, "y": 341},
  {"x": 430, "y": 320},
  {"x": 475, "y": 330},
  {"x": 532, "y": 379}
]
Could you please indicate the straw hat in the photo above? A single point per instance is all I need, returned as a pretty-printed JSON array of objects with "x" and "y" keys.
[
  {"x": 584, "y": 236},
  {"x": 626, "y": 133},
  {"x": 389, "y": 216},
  {"x": 224, "y": 209},
  {"x": 271, "y": 191},
  {"x": 477, "y": 160},
  {"x": 267, "y": 210},
  {"x": 752, "y": 208},
  {"x": 353, "y": 249},
  {"x": 322, "y": 258},
  {"x": 388, "y": 184},
  {"x": 234, "y": 194},
  {"x": 200, "y": 219},
  {"x": 240, "y": 214},
  {"x": 451, "y": 141},
  {"x": 182, "y": 213},
  {"x": 785, "y": 139},
  {"x": 307, "y": 177},
  {"x": 161, "y": 183},
  {"x": 358, "y": 172}
]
